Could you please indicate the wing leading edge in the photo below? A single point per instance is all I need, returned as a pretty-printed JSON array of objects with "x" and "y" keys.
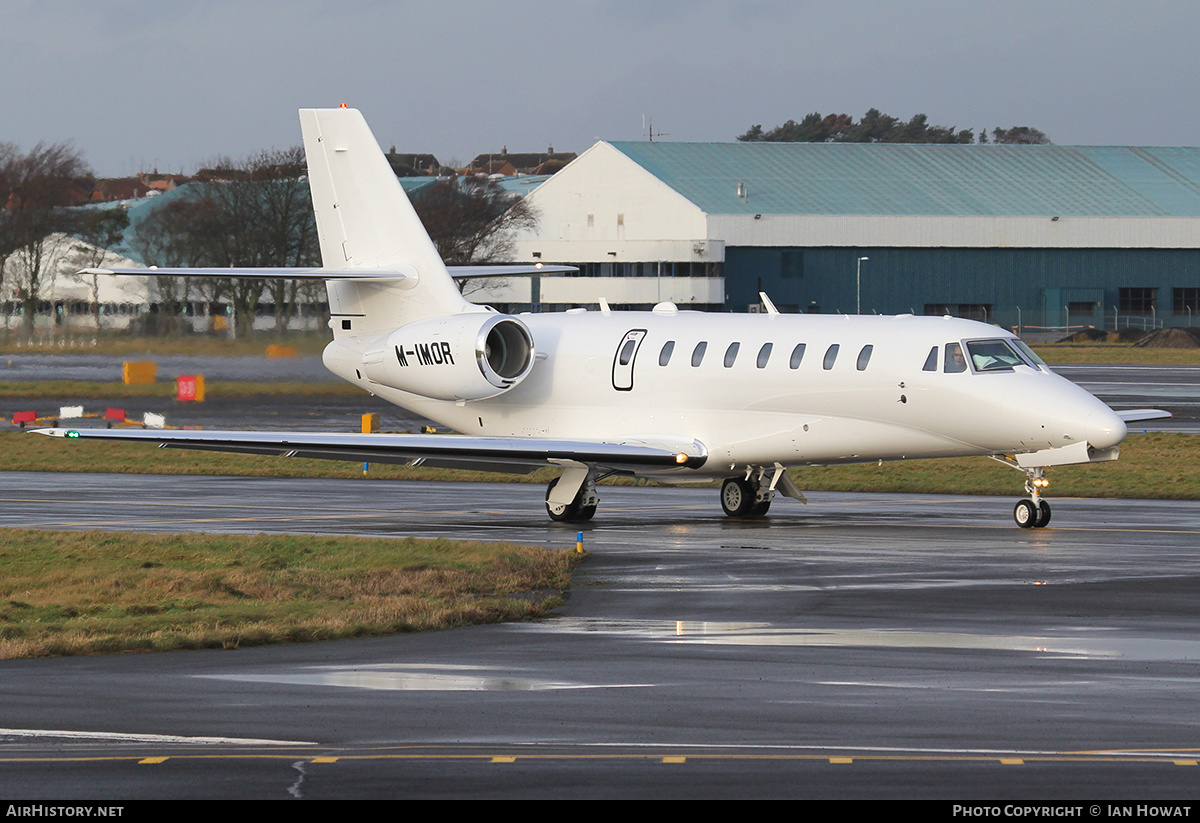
[{"x": 510, "y": 454}]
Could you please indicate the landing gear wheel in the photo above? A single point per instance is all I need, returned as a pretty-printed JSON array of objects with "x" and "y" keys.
[
  {"x": 760, "y": 509},
  {"x": 738, "y": 497},
  {"x": 1043, "y": 515},
  {"x": 1026, "y": 514},
  {"x": 573, "y": 512}
]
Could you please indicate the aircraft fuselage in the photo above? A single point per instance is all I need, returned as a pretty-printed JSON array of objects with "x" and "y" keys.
[{"x": 739, "y": 385}]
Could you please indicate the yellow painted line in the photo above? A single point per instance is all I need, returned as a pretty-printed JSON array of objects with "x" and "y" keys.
[
  {"x": 324, "y": 760},
  {"x": 564, "y": 756}
]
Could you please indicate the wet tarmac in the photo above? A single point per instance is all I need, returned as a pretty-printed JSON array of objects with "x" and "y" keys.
[{"x": 863, "y": 646}]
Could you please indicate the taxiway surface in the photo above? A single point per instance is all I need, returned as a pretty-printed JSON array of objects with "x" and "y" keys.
[{"x": 863, "y": 646}]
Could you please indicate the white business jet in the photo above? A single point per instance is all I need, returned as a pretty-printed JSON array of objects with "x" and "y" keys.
[{"x": 675, "y": 396}]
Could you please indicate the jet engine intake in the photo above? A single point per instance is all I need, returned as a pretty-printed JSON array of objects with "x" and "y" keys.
[{"x": 468, "y": 356}]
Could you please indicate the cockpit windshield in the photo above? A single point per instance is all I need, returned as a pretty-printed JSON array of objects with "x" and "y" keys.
[{"x": 993, "y": 355}]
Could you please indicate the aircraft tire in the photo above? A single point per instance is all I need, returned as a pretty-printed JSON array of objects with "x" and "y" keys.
[
  {"x": 737, "y": 497},
  {"x": 1043, "y": 515},
  {"x": 760, "y": 509},
  {"x": 1026, "y": 514},
  {"x": 564, "y": 514}
]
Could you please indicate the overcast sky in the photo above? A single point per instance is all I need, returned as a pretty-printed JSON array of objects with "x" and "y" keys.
[{"x": 142, "y": 84}]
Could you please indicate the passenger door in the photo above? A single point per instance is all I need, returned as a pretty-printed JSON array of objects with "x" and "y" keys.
[{"x": 622, "y": 372}]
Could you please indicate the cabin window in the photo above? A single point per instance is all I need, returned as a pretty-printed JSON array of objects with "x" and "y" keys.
[
  {"x": 864, "y": 357},
  {"x": 731, "y": 354},
  {"x": 830, "y": 357},
  {"x": 993, "y": 355},
  {"x": 627, "y": 352},
  {"x": 931, "y": 360},
  {"x": 764, "y": 354},
  {"x": 797, "y": 356},
  {"x": 955, "y": 362},
  {"x": 698, "y": 353},
  {"x": 664, "y": 356}
]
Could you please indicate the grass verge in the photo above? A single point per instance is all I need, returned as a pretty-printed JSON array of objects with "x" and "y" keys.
[
  {"x": 66, "y": 593},
  {"x": 165, "y": 390},
  {"x": 1115, "y": 353},
  {"x": 1154, "y": 465}
]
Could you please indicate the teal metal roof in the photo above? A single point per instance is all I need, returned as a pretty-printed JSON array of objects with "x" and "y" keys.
[{"x": 919, "y": 179}]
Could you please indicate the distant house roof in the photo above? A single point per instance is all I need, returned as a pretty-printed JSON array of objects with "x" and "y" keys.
[
  {"x": 122, "y": 188},
  {"x": 921, "y": 179},
  {"x": 510, "y": 163}
]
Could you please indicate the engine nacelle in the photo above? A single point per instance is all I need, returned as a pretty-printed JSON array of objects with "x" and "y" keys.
[{"x": 468, "y": 356}]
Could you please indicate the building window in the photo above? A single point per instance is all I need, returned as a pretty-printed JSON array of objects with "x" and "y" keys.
[
  {"x": 791, "y": 264},
  {"x": 1137, "y": 301},
  {"x": 1185, "y": 301},
  {"x": 970, "y": 311}
]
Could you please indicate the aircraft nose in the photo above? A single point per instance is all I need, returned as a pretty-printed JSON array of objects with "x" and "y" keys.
[{"x": 1104, "y": 429}]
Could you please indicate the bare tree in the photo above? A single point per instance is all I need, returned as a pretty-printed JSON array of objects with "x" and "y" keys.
[
  {"x": 473, "y": 220},
  {"x": 100, "y": 230},
  {"x": 255, "y": 213},
  {"x": 35, "y": 189}
]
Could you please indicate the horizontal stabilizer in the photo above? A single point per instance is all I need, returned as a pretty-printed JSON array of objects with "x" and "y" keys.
[
  {"x": 483, "y": 453},
  {"x": 399, "y": 272},
  {"x": 1138, "y": 415}
]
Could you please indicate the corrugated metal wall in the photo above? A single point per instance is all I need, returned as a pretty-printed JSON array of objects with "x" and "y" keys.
[{"x": 1028, "y": 286}]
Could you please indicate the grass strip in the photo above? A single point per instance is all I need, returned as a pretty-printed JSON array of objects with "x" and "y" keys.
[
  {"x": 40, "y": 390},
  {"x": 1163, "y": 466},
  {"x": 123, "y": 344},
  {"x": 68, "y": 593}
]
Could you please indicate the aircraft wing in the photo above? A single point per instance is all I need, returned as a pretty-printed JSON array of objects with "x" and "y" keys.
[
  {"x": 1138, "y": 415},
  {"x": 507, "y": 454}
]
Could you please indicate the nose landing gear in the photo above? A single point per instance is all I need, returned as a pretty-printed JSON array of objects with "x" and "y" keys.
[{"x": 1033, "y": 512}]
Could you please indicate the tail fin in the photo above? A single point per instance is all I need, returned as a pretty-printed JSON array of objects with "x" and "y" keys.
[{"x": 365, "y": 221}]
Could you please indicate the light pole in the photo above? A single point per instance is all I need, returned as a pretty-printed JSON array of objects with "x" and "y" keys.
[{"x": 858, "y": 286}]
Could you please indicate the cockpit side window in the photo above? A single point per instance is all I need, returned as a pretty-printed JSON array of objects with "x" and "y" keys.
[
  {"x": 931, "y": 360},
  {"x": 1030, "y": 355},
  {"x": 955, "y": 362}
]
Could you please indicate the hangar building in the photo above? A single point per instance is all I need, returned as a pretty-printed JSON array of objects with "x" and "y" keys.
[{"x": 1019, "y": 235}]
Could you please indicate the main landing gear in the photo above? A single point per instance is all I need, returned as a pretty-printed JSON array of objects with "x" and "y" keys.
[
  {"x": 1033, "y": 512},
  {"x": 746, "y": 496},
  {"x": 580, "y": 510}
]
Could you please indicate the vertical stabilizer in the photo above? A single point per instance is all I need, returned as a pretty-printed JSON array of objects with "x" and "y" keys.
[{"x": 365, "y": 221}]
